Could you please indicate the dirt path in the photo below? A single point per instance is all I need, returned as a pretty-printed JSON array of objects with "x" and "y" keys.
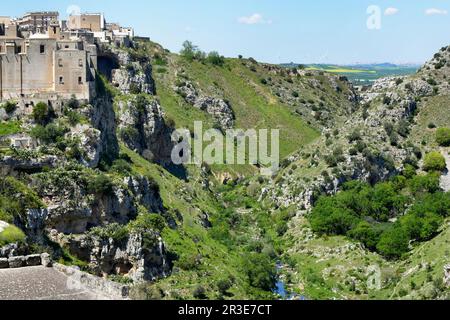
[{"x": 445, "y": 179}]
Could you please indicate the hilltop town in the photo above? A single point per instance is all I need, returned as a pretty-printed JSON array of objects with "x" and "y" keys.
[{"x": 44, "y": 58}]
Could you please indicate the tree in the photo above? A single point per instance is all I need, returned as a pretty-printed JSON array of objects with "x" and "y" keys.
[
  {"x": 41, "y": 113},
  {"x": 394, "y": 242},
  {"x": 261, "y": 271},
  {"x": 366, "y": 234},
  {"x": 443, "y": 137},
  {"x": 215, "y": 58},
  {"x": 189, "y": 50},
  {"x": 434, "y": 161}
]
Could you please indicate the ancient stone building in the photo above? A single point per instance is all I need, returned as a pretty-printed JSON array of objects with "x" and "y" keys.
[
  {"x": 44, "y": 65},
  {"x": 94, "y": 22},
  {"x": 37, "y": 21}
]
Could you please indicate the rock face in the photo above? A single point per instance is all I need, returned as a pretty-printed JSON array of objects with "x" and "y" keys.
[
  {"x": 143, "y": 129},
  {"x": 218, "y": 108},
  {"x": 90, "y": 144},
  {"x": 103, "y": 118},
  {"x": 134, "y": 74},
  {"x": 72, "y": 210},
  {"x": 140, "y": 257},
  {"x": 9, "y": 164},
  {"x": 447, "y": 275}
]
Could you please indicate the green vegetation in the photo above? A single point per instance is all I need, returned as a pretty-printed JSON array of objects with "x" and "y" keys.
[
  {"x": 11, "y": 234},
  {"x": 443, "y": 137},
  {"x": 42, "y": 113},
  {"x": 15, "y": 199},
  {"x": 364, "y": 213},
  {"x": 9, "y": 127},
  {"x": 9, "y": 106},
  {"x": 434, "y": 161}
]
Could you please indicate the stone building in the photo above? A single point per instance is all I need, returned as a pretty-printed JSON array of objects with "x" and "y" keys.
[
  {"x": 43, "y": 59},
  {"x": 37, "y": 21},
  {"x": 45, "y": 66},
  {"x": 94, "y": 22}
]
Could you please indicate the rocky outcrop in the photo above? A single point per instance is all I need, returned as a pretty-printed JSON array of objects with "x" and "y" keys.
[
  {"x": 219, "y": 109},
  {"x": 139, "y": 257},
  {"x": 134, "y": 75},
  {"x": 11, "y": 164},
  {"x": 103, "y": 118},
  {"x": 72, "y": 210},
  {"x": 90, "y": 144},
  {"x": 447, "y": 275},
  {"x": 143, "y": 129}
]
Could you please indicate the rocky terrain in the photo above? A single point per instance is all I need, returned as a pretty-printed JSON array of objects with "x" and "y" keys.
[{"x": 94, "y": 185}]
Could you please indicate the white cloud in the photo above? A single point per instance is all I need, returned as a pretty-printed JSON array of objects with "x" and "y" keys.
[
  {"x": 434, "y": 11},
  {"x": 390, "y": 11},
  {"x": 255, "y": 18}
]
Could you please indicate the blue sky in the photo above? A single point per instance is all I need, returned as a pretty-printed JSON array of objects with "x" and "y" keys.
[{"x": 305, "y": 31}]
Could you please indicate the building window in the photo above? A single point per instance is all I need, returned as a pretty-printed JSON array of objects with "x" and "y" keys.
[
  {"x": 42, "y": 49},
  {"x": 60, "y": 64},
  {"x": 19, "y": 49},
  {"x": 80, "y": 62},
  {"x": 61, "y": 80},
  {"x": 80, "y": 80}
]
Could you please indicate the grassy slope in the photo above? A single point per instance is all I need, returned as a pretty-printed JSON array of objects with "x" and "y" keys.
[
  {"x": 191, "y": 241},
  {"x": 337, "y": 268},
  {"x": 254, "y": 105}
]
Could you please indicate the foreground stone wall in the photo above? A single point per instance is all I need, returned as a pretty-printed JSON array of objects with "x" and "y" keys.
[
  {"x": 79, "y": 279},
  {"x": 26, "y": 261}
]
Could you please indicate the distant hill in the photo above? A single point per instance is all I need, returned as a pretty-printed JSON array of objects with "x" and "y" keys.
[{"x": 362, "y": 74}]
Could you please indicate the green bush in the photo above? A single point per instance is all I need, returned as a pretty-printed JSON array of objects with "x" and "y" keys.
[
  {"x": 260, "y": 271},
  {"x": 443, "y": 137},
  {"x": 41, "y": 113},
  {"x": 11, "y": 234},
  {"x": 113, "y": 231},
  {"x": 148, "y": 221},
  {"x": 215, "y": 58},
  {"x": 50, "y": 133},
  {"x": 394, "y": 243},
  {"x": 9, "y": 106},
  {"x": 100, "y": 184},
  {"x": 434, "y": 161},
  {"x": 122, "y": 167}
]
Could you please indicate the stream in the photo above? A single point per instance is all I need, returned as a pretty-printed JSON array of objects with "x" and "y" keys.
[{"x": 280, "y": 287}]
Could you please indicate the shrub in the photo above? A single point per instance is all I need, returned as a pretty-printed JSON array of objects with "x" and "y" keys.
[
  {"x": 215, "y": 58},
  {"x": 260, "y": 271},
  {"x": 394, "y": 242},
  {"x": 10, "y": 106},
  {"x": 11, "y": 234},
  {"x": 100, "y": 184},
  {"x": 122, "y": 167},
  {"x": 41, "y": 113},
  {"x": 434, "y": 161},
  {"x": 443, "y": 137},
  {"x": 147, "y": 221},
  {"x": 200, "y": 293},
  {"x": 51, "y": 133},
  {"x": 113, "y": 231}
]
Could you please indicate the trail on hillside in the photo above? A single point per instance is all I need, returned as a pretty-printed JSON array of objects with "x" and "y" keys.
[{"x": 445, "y": 179}]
